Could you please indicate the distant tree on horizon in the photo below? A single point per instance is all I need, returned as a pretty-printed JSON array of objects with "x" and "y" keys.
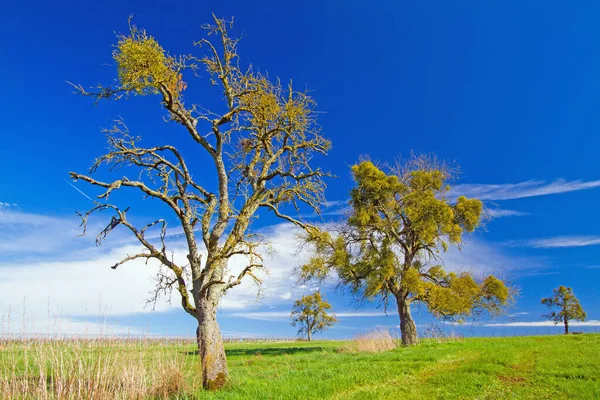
[
  {"x": 310, "y": 313},
  {"x": 566, "y": 305},
  {"x": 391, "y": 245}
]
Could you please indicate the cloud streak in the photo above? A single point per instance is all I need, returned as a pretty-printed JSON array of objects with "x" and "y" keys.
[
  {"x": 557, "y": 242},
  {"x": 531, "y": 188},
  {"x": 278, "y": 315},
  {"x": 499, "y": 213},
  {"x": 518, "y": 313},
  {"x": 528, "y": 324}
]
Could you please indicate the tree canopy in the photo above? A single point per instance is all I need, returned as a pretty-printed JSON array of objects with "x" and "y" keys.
[
  {"x": 392, "y": 242},
  {"x": 310, "y": 314},
  {"x": 565, "y": 305}
]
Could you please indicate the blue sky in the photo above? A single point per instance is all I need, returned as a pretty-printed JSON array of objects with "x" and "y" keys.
[{"x": 510, "y": 90}]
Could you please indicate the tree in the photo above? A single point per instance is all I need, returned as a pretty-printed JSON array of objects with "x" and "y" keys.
[
  {"x": 260, "y": 146},
  {"x": 310, "y": 313},
  {"x": 391, "y": 244},
  {"x": 567, "y": 307}
]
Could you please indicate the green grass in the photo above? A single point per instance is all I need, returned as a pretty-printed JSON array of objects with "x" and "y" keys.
[{"x": 538, "y": 367}]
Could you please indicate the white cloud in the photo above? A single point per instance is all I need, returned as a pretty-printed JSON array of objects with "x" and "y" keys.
[
  {"x": 531, "y": 188},
  {"x": 78, "y": 287},
  {"x": 278, "y": 315},
  {"x": 524, "y": 324},
  {"x": 10, "y": 215},
  {"x": 482, "y": 259},
  {"x": 279, "y": 282},
  {"x": 82, "y": 284},
  {"x": 56, "y": 326},
  {"x": 331, "y": 208},
  {"x": 70, "y": 277},
  {"x": 541, "y": 273},
  {"x": 557, "y": 241},
  {"x": 335, "y": 203},
  {"x": 499, "y": 212},
  {"x": 28, "y": 235},
  {"x": 518, "y": 313}
]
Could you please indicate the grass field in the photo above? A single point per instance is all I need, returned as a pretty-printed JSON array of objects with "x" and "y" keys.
[{"x": 536, "y": 367}]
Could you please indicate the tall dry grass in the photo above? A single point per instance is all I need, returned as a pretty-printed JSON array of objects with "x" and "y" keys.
[
  {"x": 435, "y": 333},
  {"x": 92, "y": 369},
  {"x": 376, "y": 341}
]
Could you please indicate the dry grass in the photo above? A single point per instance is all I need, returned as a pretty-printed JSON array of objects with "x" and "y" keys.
[
  {"x": 90, "y": 369},
  {"x": 376, "y": 341},
  {"x": 434, "y": 333}
]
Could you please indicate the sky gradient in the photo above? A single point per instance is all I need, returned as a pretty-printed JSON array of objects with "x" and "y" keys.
[{"x": 510, "y": 91}]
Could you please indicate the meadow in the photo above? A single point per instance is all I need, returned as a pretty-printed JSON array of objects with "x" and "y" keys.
[{"x": 532, "y": 367}]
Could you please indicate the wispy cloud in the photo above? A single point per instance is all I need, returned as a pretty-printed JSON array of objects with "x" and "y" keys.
[
  {"x": 25, "y": 235},
  {"x": 557, "y": 242},
  {"x": 531, "y": 188},
  {"x": 278, "y": 315},
  {"x": 335, "y": 203},
  {"x": 541, "y": 273},
  {"x": 499, "y": 212},
  {"x": 11, "y": 215},
  {"x": 526, "y": 324},
  {"x": 518, "y": 313},
  {"x": 331, "y": 208},
  {"x": 482, "y": 258}
]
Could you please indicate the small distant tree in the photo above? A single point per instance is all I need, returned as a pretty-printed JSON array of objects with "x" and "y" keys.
[
  {"x": 391, "y": 246},
  {"x": 310, "y": 314},
  {"x": 566, "y": 307}
]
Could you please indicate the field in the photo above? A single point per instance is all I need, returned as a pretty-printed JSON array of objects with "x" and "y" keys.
[{"x": 534, "y": 367}]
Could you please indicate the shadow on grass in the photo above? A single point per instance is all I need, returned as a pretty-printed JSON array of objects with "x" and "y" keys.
[{"x": 265, "y": 351}]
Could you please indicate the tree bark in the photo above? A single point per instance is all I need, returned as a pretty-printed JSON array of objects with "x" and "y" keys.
[
  {"x": 210, "y": 345},
  {"x": 566, "y": 325},
  {"x": 408, "y": 329},
  {"x": 309, "y": 335},
  {"x": 198, "y": 337}
]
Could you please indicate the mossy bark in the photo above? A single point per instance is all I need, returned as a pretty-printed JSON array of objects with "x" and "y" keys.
[
  {"x": 210, "y": 345},
  {"x": 408, "y": 329}
]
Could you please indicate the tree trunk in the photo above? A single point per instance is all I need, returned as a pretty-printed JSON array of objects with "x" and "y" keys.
[
  {"x": 210, "y": 345},
  {"x": 566, "y": 326},
  {"x": 198, "y": 337},
  {"x": 309, "y": 335},
  {"x": 407, "y": 325}
]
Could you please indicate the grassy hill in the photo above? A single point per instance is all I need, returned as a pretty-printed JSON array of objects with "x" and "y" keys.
[{"x": 535, "y": 367}]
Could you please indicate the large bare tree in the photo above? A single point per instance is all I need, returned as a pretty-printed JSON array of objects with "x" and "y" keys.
[{"x": 260, "y": 145}]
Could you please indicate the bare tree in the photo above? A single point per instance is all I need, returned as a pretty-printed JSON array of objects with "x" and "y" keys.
[{"x": 260, "y": 149}]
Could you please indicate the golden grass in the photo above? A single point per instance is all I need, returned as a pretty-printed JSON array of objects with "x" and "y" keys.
[
  {"x": 376, "y": 341},
  {"x": 90, "y": 369}
]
